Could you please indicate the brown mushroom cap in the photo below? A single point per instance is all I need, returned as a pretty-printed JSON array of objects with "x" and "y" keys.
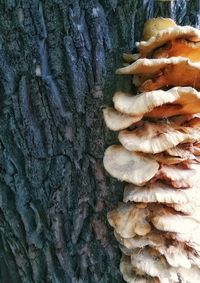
[
  {"x": 117, "y": 121},
  {"x": 156, "y": 138},
  {"x": 129, "y": 166},
  {"x": 159, "y": 103},
  {"x": 155, "y": 25},
  {"x": 159, "y": 192},
  {"x": 173, "y": 73},
  {"x": 179, "y": 47},
  {"x": 129, "y": 220},
  {"x": 164, "y": 35}
]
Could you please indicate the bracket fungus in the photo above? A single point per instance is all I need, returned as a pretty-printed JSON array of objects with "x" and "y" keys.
[
  {"x": 129, "y": 220},
  {"x": 158, "y": 103},
  {"x": 157, "y": 137},
  {"x": 159, "y": 192},
  {"x": 158, "y": 223},
  {"x": 129, "y": 166},
  {"x": 179, "y": 47},
  {"x": 153, "y": 74},
  {"x": 116, "y": 120},
  {"x": 160, "y": 31}
]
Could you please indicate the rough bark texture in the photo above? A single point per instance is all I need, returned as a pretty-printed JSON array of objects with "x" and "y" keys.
[{"x": 57, "y": 63}]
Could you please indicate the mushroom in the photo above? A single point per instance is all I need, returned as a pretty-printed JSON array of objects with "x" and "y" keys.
[
  {"x": 180, "y": 151},
  {"x": 181, "y": 120},
  {"x": 194, "y": 123},
  {"x": 192, "y": 239},
  {"x": 142, "y": 103},
  {"x": 189, "y": 276},
  {"x": 157, "y": 38},
  {"x": 179, "y": 176},
  {"x": 155, "y": 25},
  {"x": 133, "y": 275},
  {"x": 129, "y": 220},
  {"x": 166, "y": 219},
  {"x": 159, "y": 192},
  {"x": 179, "y": 47},
  {"x": 186, "y": 245},
  {"x": 196, "y": 149},
  {"x": 129, "y": 166},
  {"x": 157, "y": 73},
  {"x": 159, "y": 103},
  {"x": 158, "y": 223},
  {"x": 154, "y": 264},
  {"x": 130, "y": 58},
  {"x": 164, "y": 158},
  {"x": 176, "y": 253},
  {"x": 117, "y": 121},
  {"x": 157, "y": 137},
  {"x": 186, "y": 208}
]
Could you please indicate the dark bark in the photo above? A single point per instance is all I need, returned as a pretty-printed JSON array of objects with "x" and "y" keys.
[{"x": 57, "y": 63}]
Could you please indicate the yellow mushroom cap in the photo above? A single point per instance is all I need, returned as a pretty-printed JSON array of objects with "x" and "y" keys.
[{"x": 153, "y": 26}]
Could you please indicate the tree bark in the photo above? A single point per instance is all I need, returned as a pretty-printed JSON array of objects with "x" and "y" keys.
[{"x": 57, "y": 64}]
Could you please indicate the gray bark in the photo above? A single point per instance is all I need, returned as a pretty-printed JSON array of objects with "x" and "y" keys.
[{"x": 57, "y": 63}]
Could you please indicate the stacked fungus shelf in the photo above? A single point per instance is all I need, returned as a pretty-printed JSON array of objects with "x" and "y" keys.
[{"x": 158, "y": 223}]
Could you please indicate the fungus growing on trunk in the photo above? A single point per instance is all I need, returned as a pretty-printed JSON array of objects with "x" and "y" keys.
[
  {"x": 158, "y": 223},
  {"x": 129, "y": 166},
  {"x": 129, "y": 220},
  {"x": 116, "y": 120},
  {"x": 179, "y": 47},
  {"x": 157, "y": 137},
  {"x": 159, "y": 192},
  {"x": 132, "y": 274},
  {"x": 160, "y": 31},
  {"x": 153, "y": 74},
  {"x": 159, "y": 103}
]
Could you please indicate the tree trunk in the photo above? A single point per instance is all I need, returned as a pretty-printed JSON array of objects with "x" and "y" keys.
[{"x": 57, "y": 64}]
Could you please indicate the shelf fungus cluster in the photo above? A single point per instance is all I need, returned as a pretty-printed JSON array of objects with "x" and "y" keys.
[{"x": 158, "y": 223}]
